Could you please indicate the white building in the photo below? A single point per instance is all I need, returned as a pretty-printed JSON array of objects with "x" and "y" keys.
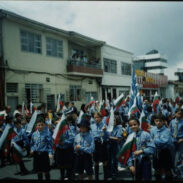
[
  {"x": 116, "y": 64},
  {"x": 152, "y": 62}
]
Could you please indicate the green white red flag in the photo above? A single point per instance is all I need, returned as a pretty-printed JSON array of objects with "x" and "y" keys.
[
  {"x": 2, "y": 115},
  {"x": 156, "y": 101},
  {"x": 5, "y": 139},
  {"x": 111, "y": 121},
  {"x": 143, "y": 122},
  {"x": 128, "y": 147},
  {"x": 134, "y": 109},
  {"x": 102, "y": 108},
  {"x": 82, "y": 116},
  {"x": 18, "y": 152},
  {"x": 119, "y": 102},
  {"x": 32, "y": 124},
  {"x": 60, "y": 129}
]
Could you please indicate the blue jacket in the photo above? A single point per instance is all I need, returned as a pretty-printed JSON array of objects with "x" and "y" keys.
[
  {"x": 21, "y": 136},
  {"x": 117, "y": 131},
  {"x": 143, "y": 142},
  {"x": 98, "y": 133},
  {"x": 68, "y": 137},
  {"x": 176, "y": 128},
  {"x": 86, "y": 142},
  {"x": 41, "y": 142},
  {"x": 162, "y": 137}
]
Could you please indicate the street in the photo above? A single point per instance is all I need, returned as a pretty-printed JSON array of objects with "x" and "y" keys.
[{"x": 9, "y": 171}]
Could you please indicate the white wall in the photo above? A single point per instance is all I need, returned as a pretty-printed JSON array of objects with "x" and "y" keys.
[
  {"x": 170, "y": 92},
  {"x": 18, "y": 59},
  {"x": 119, "y": 55}
]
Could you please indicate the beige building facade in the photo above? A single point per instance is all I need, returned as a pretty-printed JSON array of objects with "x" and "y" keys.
[{"x": 38, "y": 62}]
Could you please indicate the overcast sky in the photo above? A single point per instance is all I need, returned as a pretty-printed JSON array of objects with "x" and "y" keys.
[{"x": 137, "y": 27}]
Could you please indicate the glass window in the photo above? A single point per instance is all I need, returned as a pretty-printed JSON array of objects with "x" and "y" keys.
[
  {"x": 34, "y": 92},
  {"x": 11, "y": 87},
  {"x": 110, "y": 65},
  {"x": 125, "y": 68},
  {"x": 54, "y": 47},
  {"x": 89, "y": 95},
  {"x": 30, "y": 42},
  {"x": 75, "y": 93}
]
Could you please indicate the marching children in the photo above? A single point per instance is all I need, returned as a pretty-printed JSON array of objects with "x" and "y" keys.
[
  {"x": 41, "y": 149},
  {"x": 161, "y": 136},
  {"x": 101, "y": 138},
  {"x": 139, "y": 161},
  {"x": 84, "y": 148}
]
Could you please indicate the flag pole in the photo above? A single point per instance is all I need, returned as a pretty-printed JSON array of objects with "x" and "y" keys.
[{"x": 135, "y": 162}]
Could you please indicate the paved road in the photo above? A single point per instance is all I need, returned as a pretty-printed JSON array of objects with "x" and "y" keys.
[{"x": 8, "y": 172}]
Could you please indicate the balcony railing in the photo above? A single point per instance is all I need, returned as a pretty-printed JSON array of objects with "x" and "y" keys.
[
  {"x": 84, "y": 64},
  {"x": 91, "y": 68}
]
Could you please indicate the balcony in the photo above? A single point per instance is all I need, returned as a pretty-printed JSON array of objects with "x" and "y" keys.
[
  {"x": 156, "y": 65},
  {"x": 81, "y": 68}
]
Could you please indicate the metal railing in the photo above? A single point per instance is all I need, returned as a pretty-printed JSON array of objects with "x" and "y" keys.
[{"x": 84, "y": 64}]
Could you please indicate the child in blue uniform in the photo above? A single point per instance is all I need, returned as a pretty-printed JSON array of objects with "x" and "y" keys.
[
  {"x": 84, "y": 148},
  {"x": 139, "y": 161},
  {"x": 65, "y": 151},
  {"x": 115, "y": 140},
  {"x": 41, "y": 149},
  {"x": 161, "y": 136},
  {"x": 176, "y": 128},
  {"x": 20, "y": 139},
  {"x": 101, "y": 138}
]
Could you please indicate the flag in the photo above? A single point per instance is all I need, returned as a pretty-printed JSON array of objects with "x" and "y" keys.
[
  {"x": 2, "y": 115},
  {"x": 32, "y": 124},
  {"x": 102, "y": 108},
  {"x": 82, "y": 115},
  {"x": 58, "y": 104},
  {"x": 89, "y": 104},
  {"x": 60, "y": 129},
  {"x": 128, "y": 147},
  {"x": 31, "y": 105},
  {"x": 111, "y": 121},
  {"x": 118, "y": 102},
  {"x": 139, "y": 101},
  {"x": 134, "y": 109},
  {"x": 155, "y": 102},
  {"x": 18, "y": 152},
  {"x": 134, "y": 88},
  {"x": 5, "y": 139},
  {"x": 143, "y": 121},
  {"x": 177, "y": 99}
]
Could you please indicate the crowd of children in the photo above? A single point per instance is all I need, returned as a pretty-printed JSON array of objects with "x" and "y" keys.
[{"x": 85, "y": 143}]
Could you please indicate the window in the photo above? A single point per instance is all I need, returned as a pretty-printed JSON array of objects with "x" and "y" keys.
[
  {"x": 125, "y": 68},
  {"x": 54, "y": 47},
  {"x": 30, "y": 42},
  {"x": 34, "y": 93},
  {"x": 110, "y": 65},
  {"x": 11, "y": 87},
  {"x": 89, "y": 95},
  {"x": 75, "y": 93}
]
